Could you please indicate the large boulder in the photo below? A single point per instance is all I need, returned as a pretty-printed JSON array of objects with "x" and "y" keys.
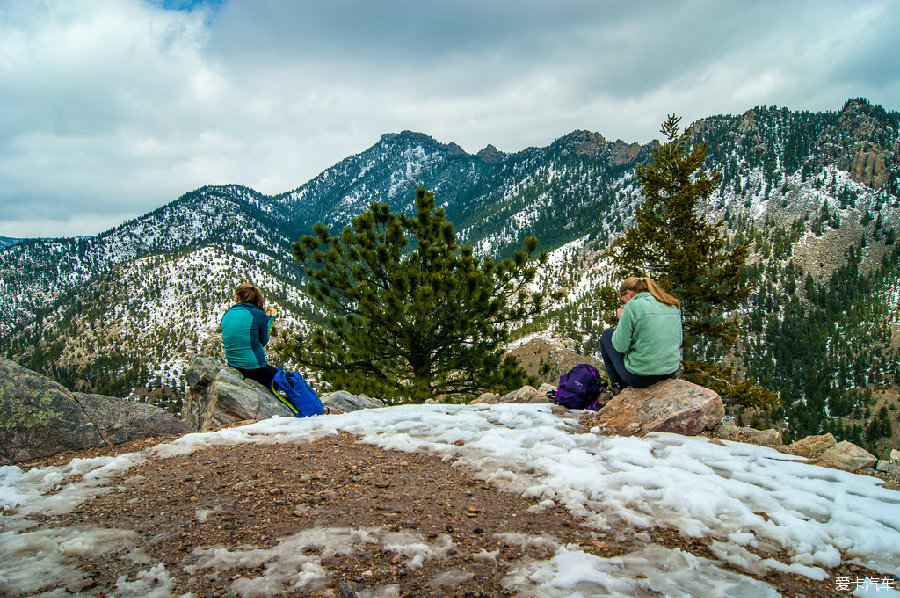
[
  {"x": 219, "y": 395},
  {"x": 41, "y": 418},
  {"x": 847, "y": 456},
  {"x": 669, "y": 406},
  {"x": 812, "y": 447},
  {"x": 119, "y": 421}
]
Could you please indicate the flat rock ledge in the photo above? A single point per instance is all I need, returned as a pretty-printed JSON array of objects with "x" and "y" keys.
[{"x": 218, "y": 395}]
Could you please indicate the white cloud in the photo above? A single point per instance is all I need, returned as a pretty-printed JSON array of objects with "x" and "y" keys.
[{"x": 122, "y": 106}]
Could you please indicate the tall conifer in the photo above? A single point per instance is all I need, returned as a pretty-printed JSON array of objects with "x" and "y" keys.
[
  {"x": 675, "y": 243},
  {"x": 411, "y": 314}
]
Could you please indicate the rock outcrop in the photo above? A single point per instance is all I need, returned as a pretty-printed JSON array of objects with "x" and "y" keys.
[
  {"x": 669, "y": 406},
  {"x": 219, "y": 395},
  {"x": 41, "y": 418},
  {"x": 730, "y": 431},
  {"x": 826, "y": 451}
]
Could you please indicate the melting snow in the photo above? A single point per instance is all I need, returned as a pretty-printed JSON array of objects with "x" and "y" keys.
[{"x": 741, "y": 496}]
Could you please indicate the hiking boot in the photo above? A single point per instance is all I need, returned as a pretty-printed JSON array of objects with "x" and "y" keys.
[{"x": 605, "y": 395}]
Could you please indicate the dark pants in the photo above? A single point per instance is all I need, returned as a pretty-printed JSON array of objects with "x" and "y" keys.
[
  {"x": 262, "y": 375},
  {"x": 615, "y": 366}
]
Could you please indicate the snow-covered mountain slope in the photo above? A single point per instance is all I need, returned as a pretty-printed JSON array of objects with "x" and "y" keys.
[
  {"x": 135, "y": 328},
  {"x": 808, "y": 185}
]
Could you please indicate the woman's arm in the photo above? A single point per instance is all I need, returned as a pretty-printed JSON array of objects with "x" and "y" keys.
[{"x": 621, "y": 338}]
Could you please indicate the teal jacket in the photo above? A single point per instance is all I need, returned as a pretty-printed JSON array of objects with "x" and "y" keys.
[
  {"x": 649, "y": 334},
  {"x": 245, "y": 333}
]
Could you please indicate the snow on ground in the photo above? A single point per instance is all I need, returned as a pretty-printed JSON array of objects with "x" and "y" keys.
[{"x": 741, "y": 496}]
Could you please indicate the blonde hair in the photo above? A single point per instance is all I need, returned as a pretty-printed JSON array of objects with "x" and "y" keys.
[
  {"x": 250, "y": 293},
  {"x": 648, "y": 285}
]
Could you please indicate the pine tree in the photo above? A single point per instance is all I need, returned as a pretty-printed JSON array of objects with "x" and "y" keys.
[
  {"x": 672, "y": 242},
  {"x": 411, "y": 314}
]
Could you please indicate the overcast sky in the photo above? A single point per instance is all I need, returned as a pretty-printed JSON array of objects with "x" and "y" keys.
[{"x": 112, "y": 108}]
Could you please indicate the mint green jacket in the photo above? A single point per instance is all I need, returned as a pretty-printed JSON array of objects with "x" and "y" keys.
[{"x": 649, "y": 334}]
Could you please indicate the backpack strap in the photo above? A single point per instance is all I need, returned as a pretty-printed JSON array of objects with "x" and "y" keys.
[{"x": 279, "y": 380}]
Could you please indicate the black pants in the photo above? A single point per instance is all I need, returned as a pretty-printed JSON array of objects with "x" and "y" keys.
[
  {"x": 262, "y": 375},
  {"x": 615, "y": 366}
]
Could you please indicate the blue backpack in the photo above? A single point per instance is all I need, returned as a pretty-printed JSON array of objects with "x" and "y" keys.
[
  {"x": 579, "y": 387},
  {"x": 292, "y": 390}
]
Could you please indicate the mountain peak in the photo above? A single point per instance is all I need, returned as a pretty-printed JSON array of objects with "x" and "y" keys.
[{"x": 490, "y": 154}]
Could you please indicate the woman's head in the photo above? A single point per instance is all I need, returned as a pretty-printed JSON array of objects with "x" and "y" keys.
[
  {"x": 634, "y": 285},
  {"x": 249, "y": 293}
]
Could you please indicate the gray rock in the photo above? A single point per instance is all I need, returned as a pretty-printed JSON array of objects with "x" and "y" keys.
[
  {"x": 727, "y": 429},
  {"x": 219, "y": 395},
  {"x": 892, "y": 468},
  {"x": 526, "y": 394},
  {"x": 202, "y": 371},
  {"x": 488, "y": 397},
  {"x": 41, "y": 418},
  {"x": 342, "y": 401},
  {"x": 770, "y": 437},
  {"x": 119, "y": 421}
]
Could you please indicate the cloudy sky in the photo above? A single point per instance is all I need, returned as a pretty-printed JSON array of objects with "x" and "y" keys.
[{"x": 112, "y": 108}]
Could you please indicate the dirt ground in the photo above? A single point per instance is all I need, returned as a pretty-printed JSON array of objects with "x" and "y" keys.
[{"x": 255, "y": 495}]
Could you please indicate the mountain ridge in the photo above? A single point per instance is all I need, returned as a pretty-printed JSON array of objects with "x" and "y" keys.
[{"x": 809, "y": 185}]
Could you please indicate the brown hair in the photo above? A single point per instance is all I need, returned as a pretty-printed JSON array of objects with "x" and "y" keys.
[
  {"x": 250, "y": 293},
  {"x": 648, "y": 285}
]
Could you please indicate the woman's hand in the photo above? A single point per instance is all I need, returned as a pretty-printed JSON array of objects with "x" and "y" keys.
[
  {"x": 271, "y": 311},
  {"x": 619, "y": 312}
]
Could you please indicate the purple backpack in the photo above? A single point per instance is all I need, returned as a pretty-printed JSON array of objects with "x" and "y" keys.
[{"x": 579, "y": 387}]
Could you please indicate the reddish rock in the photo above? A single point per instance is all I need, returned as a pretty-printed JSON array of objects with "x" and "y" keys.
[
  {"x": 669, "y": 406},
  {"x": 813, "y": 446},
  {"x": 847, "y": 456}
]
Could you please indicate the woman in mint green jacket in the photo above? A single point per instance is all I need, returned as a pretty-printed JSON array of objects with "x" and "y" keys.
[{"x": 645, "y": 348}]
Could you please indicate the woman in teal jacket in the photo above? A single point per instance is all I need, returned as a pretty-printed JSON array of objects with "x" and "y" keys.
[
  {"x": 245, "y": 333},
  {"x": 645, "y": 348}
]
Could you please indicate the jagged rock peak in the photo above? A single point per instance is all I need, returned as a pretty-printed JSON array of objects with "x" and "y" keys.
[
  {"x": 583, "y": 143},
  {"x": 872, "y": 131},
  {"x": 490, "y": 154},
  {"x": 411, "y": 138}
]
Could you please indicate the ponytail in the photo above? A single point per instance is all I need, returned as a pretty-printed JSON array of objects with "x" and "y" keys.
[{"x": 648, "y": 285}]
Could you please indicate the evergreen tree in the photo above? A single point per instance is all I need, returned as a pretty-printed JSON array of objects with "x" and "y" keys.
[
  {"x": 411, "y": 314},
  {"x": 672, "y": 242}
]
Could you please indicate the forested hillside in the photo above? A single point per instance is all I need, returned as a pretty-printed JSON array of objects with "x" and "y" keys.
[{"x": 121, "y": 313}]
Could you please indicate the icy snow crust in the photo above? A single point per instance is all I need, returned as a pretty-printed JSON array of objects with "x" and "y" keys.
[{"x": 812, "y": 514}]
